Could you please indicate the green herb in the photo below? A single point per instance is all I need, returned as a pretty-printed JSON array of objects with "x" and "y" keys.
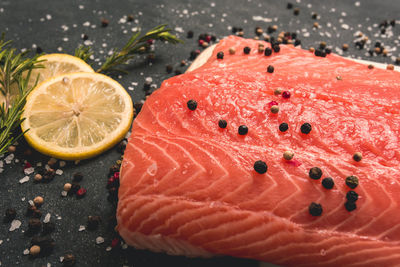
[
  {"x": 135, "y": 45},
  {"x": 15, "y": 71},
  {"x": 83, "y": 52}
]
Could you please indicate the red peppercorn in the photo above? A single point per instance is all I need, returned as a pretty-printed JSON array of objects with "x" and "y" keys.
[
  {"x": 110, "y": 180},
  {"x": 27, "y": 165},
  {"x": 115, "y": 242},
  {"x": 286, "y": 94},
  {"x": 208, "y": 38},
  {"x": 272, "y": 103},
  {"x": 116, "y": 175},
  {"x": 81, "y": 192},
  {"x": 201, "y": 42},
  {"x": 150, "y": 41}
]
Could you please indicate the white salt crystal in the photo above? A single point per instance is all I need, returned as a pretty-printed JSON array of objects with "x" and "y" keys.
[
  {"x": 15, "y": 224},
  {"x": 108, "y": 248},
  {"x": 81, "y": 228},
  {"x": 47, "y": 218},
  {"x": 99, "y": 240},
  {"x": 48, "y": 17},
  {"x": 81, "y": 6},
  {"x": 29, "y": 170},
  {"x": 59, "y": 171},
  {"x": 9, "y": 158},
  {"x": 64, "y": 193},
  {"x": 62, "y": 163},
  {"x": 24, "y": 180},
  {"x": 26, "y": 251},
  {"x": 86, "y": 24}
]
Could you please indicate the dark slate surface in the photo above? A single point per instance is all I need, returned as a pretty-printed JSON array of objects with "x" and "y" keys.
[{"x": 30, "y": 22}]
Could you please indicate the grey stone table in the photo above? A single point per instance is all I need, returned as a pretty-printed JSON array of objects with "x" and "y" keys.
[{"x": 58, "y": 26}]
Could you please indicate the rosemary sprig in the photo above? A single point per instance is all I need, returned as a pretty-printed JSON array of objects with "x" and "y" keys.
[
  {"x": 83, "y": 52},
  {"x": 15, "y": 72},
  {"x": 136, "y": 44}
]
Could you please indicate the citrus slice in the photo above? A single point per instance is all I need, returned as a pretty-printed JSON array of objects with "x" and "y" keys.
[
  {"x": 53, "y": 65},
  {"x": 77, "y": 115}
]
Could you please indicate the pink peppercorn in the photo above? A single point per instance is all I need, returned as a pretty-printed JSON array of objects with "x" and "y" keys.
[
  {"x": 286, "y": 94},
  {"x": 201, "y": 42},
  {"x": 208, "y": 38},
  {"x": 114, "y": 242},
  {"x": 272, "y": 103},
  {"x": 150, "y": 41},
  {"x": 27, "y": 165},
  {"x": 116, "y": 175},
  {"x": 81, "y": 192}
]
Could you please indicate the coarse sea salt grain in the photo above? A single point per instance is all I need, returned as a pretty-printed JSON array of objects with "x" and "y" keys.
[
  {"x": 24, "y": 180},
  {"x": 26, "y": 251},
  {"x": 59, "y": 172},
  {"x": 29, "y": 170},
  {"x": 99, "y": 240},
  {"x": 81, "y": 228},
  {"x": 47, "y": 218},
  {"x": 64, "y": 193},
  {"x": 108, "y": 248},
  {"x": 9, "y": 158},
  {"x": 15, "y": 224}
]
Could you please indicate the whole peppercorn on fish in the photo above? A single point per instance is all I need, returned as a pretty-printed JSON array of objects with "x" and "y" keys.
[{"x": 191, "y": 187}]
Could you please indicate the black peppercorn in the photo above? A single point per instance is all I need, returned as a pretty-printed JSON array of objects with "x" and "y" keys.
[
  {"x": 357, "y": 156},
  {"x": 315, "y": 209},
  {"x": 39, "y": 50},
  {"x": 289, "y": 6},
  {"x": 48, "y": 227},
  {"x": 246, "y": 50},
  {"x": 85, "y": 37},
  {"x": 305, "y": 128},
  {"x": 69, "y": 260},
  {"x": 297, "y": 42},
  {"x": 314, "y": 16},
  {"x": 222, "y": 124},
  {"x": 177, "y": 72},
  {"x": 283, "y": 127},
  {"x": 315, "y": 173},
  {"x": 350, "y": 205},
  {"x": 352, "y": 196},
  {"x": 328, "y": 183},
  {"x": 260, "y": 167},
  {"x": 352, "y": 181},
  {"x": 77, "y": 177},
  {"x": 220, "y": 55},
  {"x": 270, "y": 69},
  {"x": 276, "y": 48},
  {"x": 113, "y": 169},
  {"x": 49, "y": 175},
  {"x": 74, "y": 188},
  {"x": 296, "y": 11},
  {"x": 243, "y": 130},
  {"x": 328, "y": 51},
  {"x": 194, "y": 54},
  {"x": 130, "y": 18},
  {"x": 93, "y": 222},
  {"x": 190, "y": 34},
  {"x": 10, "y": 215},
  {"x": 192, "y": 104},
  {"x": 267, "y": 51},
  {"x": 320, "y": 53},
  {"x": 104, "y": 22}
]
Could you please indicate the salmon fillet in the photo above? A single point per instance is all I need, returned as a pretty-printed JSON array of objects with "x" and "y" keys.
[{"x": 191, "y": 187}]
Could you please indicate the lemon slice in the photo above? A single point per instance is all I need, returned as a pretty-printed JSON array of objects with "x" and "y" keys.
[
  {"x": 77, "y": 115},
  {"x": 53, "y": 65}
]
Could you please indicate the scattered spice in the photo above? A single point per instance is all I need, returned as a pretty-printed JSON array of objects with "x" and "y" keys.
[
  {"x": 311, "y": 49},
  {"x": 270, "y": 69},
  {"x": 222, "y": 124},
  {"x": 104, "y": 22},
  {"x": 320, "y": 53},
  {"x": 77, "y": 177},
  {"x": 288, "y": 155},
  {"x": 350, "y": 205},
  {"x": 328, "y": 51},
  {"x": 81, "y": 192},
  {"x": 169, "y": 68},
  {"x": 67, "y": 187},
  {"x": 289, "y": 6},
  {"x": 283, "y": 127},
  {"x": 246, "y": 50},
  {"x": 277, "y": 91},
  {"x": 232, "y": 51},
  {"x": 315, "y": 209},
  {"x": 305, "y": 128},
  {"x": 259, "y": 31},
  {"x": 260, "y": 167},
  {"x": 370, "y": 66},
  {"x": 12, "y": 149},
  {"x": 267, "y": 51},
  {"x": 390, "y": 67},
  {"x": 220, "y": 55},
  {"x": 38, "y": 177},
  {"x": 352, "y": 181},
  {"x": 275, "y": 109},
  {"x": 190, "y": 34},
  {"x": 315, "y": 173},
  {"x": 316, "y": 25},
  {"x": 286, "y": 94},
  {"x": 260, "y": 48},
  {"x": 314, "y": 15},
  {"x": 130, "y": 18},
  {"x": 296, "y": 11},
  {"x": 74, "y": 188},
  {"x": 352, "y": 196},
  {"x": 69, "y": 260},
  {"x": 322, "y": 45},
  {"x": 339, "y": 78},
  {"x": 345, "y": 47},
  {"x": 192, "y": 104},
  {"x": 34, "y": 250},
  {"x": 328, "y": 183},
  {"x": 357, "y": 156},
  {"x": 276, "y": 48},
  {"x": 38, "y": 200},
  {"x": 205, "y": 44},
  {"x": 243, "y": 130}
]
